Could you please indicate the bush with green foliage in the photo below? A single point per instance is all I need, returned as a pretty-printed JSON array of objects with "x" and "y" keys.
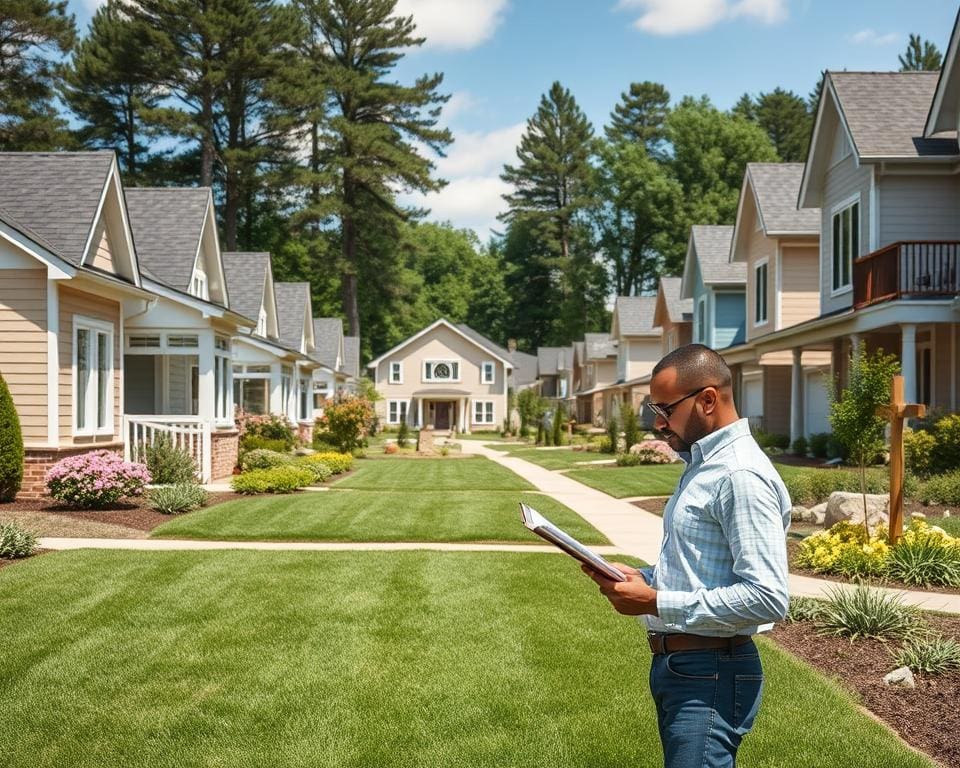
[
  {"x": 925, "y": 556},
  {"x": 811, "y": 485},
  {"x": 286, "y": 479},
  {"x": 559, "y": 417},
  {"x": 919, "y": 447},
  {"x": 177, "y": 499},
  {"x": 96, "y": 479},
  {"x": 346, "y": 421},
  {"x": 820, "y": 444},
  {"x": 643, "y": 456},
  {"x": 631, "y": 427},
  {"x": 167, "y": 463},
  {"x": 942, "y": 489},
  {"x": 255, "y": 442},
  {"x": 929, "y": 653},
  {"x": 771, "y": 439},
  {"x": 338, "y": 462},
  {"x": 403, "y": 434},
  {"x": 16, "y": 542},
  {"x": 804, "y": 609},
  {"x": 531, "y": 408},
  {"x": 799, "y": 446},
  {"x": 11, "y": 446},
  {"x": 320, "y": 469},
  {"x": 268, "y": 427},
  {"x": 613, "y": 435},
  {"x": 264, "y": 459},
  {"x": 865, "y": 612},
  {"x": 946, "y": 431}
]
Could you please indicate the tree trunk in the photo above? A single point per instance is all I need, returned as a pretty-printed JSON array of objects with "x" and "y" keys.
[
  {"x": 351, "y": 306},
  {"x": 207, "y": 149},
  {"x": 131, "y": 139}
]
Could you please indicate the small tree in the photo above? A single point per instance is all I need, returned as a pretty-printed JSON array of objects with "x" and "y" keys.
[
  {"x": 631, "y": 429},
  {"x": 853, "y": 413},
  {"x": 613, "y": 434},
  {"x": 348, "y": 420},
  {"x": 531, "y": 407},
  {"x": 11, "y": 446},
  {"x": 402, "y": 434},
  {"x": 558, "y": 417}
]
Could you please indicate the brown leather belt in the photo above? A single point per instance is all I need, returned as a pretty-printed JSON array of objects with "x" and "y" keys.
[{"x": 661, "y": 642}]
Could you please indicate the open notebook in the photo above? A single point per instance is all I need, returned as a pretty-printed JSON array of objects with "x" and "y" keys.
[{"x": 548, "y": 531}]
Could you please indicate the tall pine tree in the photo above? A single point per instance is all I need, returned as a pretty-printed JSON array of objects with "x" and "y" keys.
[
  {"x": 785, "y": 118},
  {"x": 639, "y": 116},
  {"x": 920, "y": 56}
]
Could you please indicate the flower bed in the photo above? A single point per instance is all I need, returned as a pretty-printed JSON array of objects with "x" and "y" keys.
[{"x": 95, "y": 480}]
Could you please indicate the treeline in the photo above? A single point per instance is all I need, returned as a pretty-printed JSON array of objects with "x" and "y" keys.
[{"x": 292, "y": 113}]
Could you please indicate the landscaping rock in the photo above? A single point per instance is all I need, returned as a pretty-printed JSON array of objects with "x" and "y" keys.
[
  {"x": 304, "y": 451},
  {"x": 849, "y": 506},
  {"x": 818, "y": 513},
  {"x": 901, "y": 676},
  {"x": 799, "y": 514}
]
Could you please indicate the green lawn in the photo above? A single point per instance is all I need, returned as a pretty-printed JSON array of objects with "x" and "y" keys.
[
  {"x": 553, "y": 458},
  {"x": 620, "y": 482},
  {"x": 401, "y": 659},
  {"x": 475, "y": 473},
  {"x": 378, "y": 516}
]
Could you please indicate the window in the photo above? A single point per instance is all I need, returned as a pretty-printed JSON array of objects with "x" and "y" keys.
[
  {"x": 183, "y": 340},
  {"x": 261, "y": 329},
  {"x": 93, "y": 384},
  {"x": 702, "y": 321},
  {"x": 286, "y": 376},
  {"x": 760, "y": 294},
  {"x": 222, "y": 376},
  {"x": 198, "y": 286},
  {"x": 396, "y": 411},
  {"x": 251, "y": 388},
  {"x": 396, "y": 373},
  {"x": 304, "y": 400},
  {"x": 487, "y": 373},
  {"x": 143, "y": 342},
  {"x": 483, "y": 411},
  {"x": 441, "y": 370},
  {"x": 846, "y": 244}
]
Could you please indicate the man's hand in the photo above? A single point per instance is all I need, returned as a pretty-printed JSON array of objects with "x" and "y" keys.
[{"x": 632, "y": 597}]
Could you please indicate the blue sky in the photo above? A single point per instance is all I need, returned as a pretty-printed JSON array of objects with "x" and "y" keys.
[{"x": 499, "y": 56}]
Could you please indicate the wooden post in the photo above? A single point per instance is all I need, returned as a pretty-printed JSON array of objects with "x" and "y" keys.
[{"x": 896, "y": 411}]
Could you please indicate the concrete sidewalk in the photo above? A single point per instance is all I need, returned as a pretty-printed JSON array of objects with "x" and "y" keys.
[{"x": 638, "y": 532}]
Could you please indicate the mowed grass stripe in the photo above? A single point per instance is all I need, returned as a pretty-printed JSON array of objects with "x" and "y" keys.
[
  {"x": 621, "y": 482},
  {"x": 474, "y": 473},
  {"x": 452, "y": 516},
  {"x": 354, "y": 660}
]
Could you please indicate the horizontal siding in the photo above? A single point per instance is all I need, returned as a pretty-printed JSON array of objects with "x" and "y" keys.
[
  {"x": 761, "y": 247},
  {"x": 842, "y": 181},
  {"x": 800, "y": 287},
  {"x": 23, "y": 347},
  {"x": 919, "y": 208},
  {"x": 103, "y": 257}
]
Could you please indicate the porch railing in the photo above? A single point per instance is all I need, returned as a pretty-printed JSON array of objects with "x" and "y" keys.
[
  {"x": 189, "y": 433},
  {"x": 927, "y": 268}
]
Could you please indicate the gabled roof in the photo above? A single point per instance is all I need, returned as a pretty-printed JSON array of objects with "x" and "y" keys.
[
  {"x": 599, "y": 346},
  {"x": 246, "y": 280},
  {"x": 945, "y": 106},
  {"x": 566, "y": 360},
  {"x": 633, "y": 316},
  {"x": 775, "y": 187},
  {"x": 524, "y": 368},
  {"x": 579, "y": 352},
  {"x": 488, "y": 346},
  {"x": 167, "y": 226},
  {"x": 56, "y": 195},
  {"x": 709, "y": 246},
  {"x": 548, "y": 359},
  {"x": 670, "y": 307},
  {"x": 483, "y": 341},
  {"x": 351, "y": 356},
  {"x": 329, "y": 342},
  {"x": 293, "y": 306}
]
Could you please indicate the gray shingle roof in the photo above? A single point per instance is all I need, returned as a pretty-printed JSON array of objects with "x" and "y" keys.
[
  {"x": 678, "y": 310},
  {"x": 635, "y": 315},
  {"x": 777, "y": 187},
  {"x": 566, "y": 361},
  {"x": 579, "y": 351},
  {"x": 167, "y": 224},
  {"x": 599, "y": 346},
  {"x": 483, "y": 341},
  {"x": 524, "y": 368},
  {"x": 327, "y": 337},
  {"x": 293, "y": 299},
  {"x": 246, "y": 275},
  {"x": 351, "y": 356},
  {"x": 712, "y": 245},
  {"x": 887, "y": 113},
  {"x": 548, "y": 359},
  {"x": 55, "y": 195}
]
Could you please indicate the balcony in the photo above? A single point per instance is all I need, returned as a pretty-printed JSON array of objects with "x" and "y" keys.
[{"x": 916, "y": 269}]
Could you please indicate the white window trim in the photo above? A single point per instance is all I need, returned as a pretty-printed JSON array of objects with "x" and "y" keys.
[
  {"x": 433, "y": 380},
  {"x": 401, "y": 411},
  {"x": 101, "y": 326},
  {"x": 483, "y": 372},
  {"x": 764, "y": 262},
  {"x": 843, "y": 204},
  {"x": 483, "y": 412},
  {"x": 261, "y": 329},
  {"x": 399, "y": 379}
]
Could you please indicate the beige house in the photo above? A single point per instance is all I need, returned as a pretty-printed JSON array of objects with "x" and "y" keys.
[
  {"x": 446, "y": 377},
  {"x": 672, "y": 315},
  {"x": 638, "y": 348},
  {"x": 595, "y": 366}
]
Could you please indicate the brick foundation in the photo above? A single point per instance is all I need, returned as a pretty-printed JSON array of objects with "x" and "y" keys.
[
  {"x": 225, "y": 452},
  {"x": 37, "y": 461}
]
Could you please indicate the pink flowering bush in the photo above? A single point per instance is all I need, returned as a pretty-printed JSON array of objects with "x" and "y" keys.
[
  {"x": 656, "y": 446},
  {"x": 95, "y": 480}
]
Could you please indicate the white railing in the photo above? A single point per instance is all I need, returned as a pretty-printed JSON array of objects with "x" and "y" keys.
[{"x": 190, "y": 433}]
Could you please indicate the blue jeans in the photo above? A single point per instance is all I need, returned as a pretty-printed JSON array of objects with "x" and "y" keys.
[{"x": 706, "y": 703}]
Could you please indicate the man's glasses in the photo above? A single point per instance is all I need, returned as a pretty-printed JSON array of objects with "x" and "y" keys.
[{"x": 665, "y": 411}]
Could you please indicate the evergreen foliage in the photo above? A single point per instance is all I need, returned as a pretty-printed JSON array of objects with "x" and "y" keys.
[
  {"x": 920, "y": 56},
  {"x": 639, "y": 116},
  {"x": 558, "y": 418},
  {"x": 631, "y": 428},
  {"x": 11, "y": 446},
  {"x": 613, "y": 435}
]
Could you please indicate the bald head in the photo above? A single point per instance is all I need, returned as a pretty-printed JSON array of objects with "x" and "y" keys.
[{"x": 696, "y": 366}]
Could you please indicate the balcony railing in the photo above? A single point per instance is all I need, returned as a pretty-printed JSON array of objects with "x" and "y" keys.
[
  {"x": 928, "y": 268},
  {"x": 189, "y": 433}
]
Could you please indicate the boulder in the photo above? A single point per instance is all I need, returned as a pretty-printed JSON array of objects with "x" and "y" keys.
[
  {"x": 818, "y": 513},
  {"x": 849, "y": 507},
  {"x": 799, "y": 514},
  {"x": 901, "y": 676}
]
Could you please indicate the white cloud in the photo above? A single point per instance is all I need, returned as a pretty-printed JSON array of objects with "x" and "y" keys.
[
  {"x": 872, "y": 37},
  {"x": 678, "y": 17},
  {"x": 454, "y": 25}
]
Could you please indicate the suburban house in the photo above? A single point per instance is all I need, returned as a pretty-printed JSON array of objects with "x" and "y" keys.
[
  {"x": 555, "y": 372},
  {"x": 638, "y": 348},
  {"x": 331, "y": 376},
  {"x": 716, "y": 286},
  {"x": 596, "y": 361},
  {"x": 524, "y": 373},
  {"x": 295, "y": 322},
  {"x": 351, "y": 363},
  {"x": 446, "y": 377},
  {"x": 672, "y": 315},
  {"x": 779, "y": 245}
]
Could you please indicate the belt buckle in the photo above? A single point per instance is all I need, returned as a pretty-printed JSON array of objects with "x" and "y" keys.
[{"x": 658, "y": 642}]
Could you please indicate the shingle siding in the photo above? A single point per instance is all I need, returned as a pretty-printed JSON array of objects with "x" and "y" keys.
[{"x": 918, "y": 208}]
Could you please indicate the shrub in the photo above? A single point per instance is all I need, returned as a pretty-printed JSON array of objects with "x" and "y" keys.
[
  {"x": 95, "y": 480},
  {"x": 804, "y": 609},
  {"x": 865, "y": 612},
  {"x": 16, "y": 542},
  {"x": 346, "y": 421},
  {"x": 166, "y": 463},
  {"x": 255, "y": 442},
  {"x": 177, "y": 499},
  {"x": 11, "y": 446},
  {"x": 631, "y": 428},
  {"x": 771, "y": 439},
  {"x": 391, "y": 448},
  {"x": 321, "y": 471},
  {"x": 942, "y": 489},
  {"x": 264, "y": 459},
  {"x": 816, "y": 485},
  {"x": 932, "y": 654},
  {"x": 643, "y": 456},
  {"x": 819, "y": 444},
  {"x": 403, "y": 435},
  {"x": 286, "y": 479},
  {"x": 338, "y": 462},
  {"x": 558, "y": 431},
  {"x": 918, "y": 452},
  {"x": 541, "y": 434},
  {"x": 269, "y": 427},
  {"x": 845, "y": 546},
  {"x": 799, "y": 446},
  {"x": 924, "y": 556},
  {"x": 613, "y": 435},
  {"x": 946, "y": 431}
]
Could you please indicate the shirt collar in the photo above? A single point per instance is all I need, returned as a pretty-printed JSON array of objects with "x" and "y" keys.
[{"x": 710, "y": 444}]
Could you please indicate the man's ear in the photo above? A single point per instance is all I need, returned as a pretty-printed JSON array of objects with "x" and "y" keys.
[{"x": 709, "y": 398}]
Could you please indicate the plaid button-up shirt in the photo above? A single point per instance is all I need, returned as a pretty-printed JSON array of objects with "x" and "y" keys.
[{"x": 723, "y": 563}]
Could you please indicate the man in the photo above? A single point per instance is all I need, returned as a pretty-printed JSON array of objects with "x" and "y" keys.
[{"x": 722, "y": 572}]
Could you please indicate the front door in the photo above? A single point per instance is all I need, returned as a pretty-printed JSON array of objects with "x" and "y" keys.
[{"x": 441, "y": 415}]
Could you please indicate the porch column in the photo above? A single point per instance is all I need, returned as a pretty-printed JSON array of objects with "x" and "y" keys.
[
  {"x": 276, "y": 404},
  {"x": 462, "y": 421},
  {"x": 908, "y": 361},
  {"x": 855, "y": 344},
  {"x": 53, "y": 362},
  {"x": 420, "y": 413},
  {"x": 206, "y": 383},
  {"x": 796, "y": 395}
]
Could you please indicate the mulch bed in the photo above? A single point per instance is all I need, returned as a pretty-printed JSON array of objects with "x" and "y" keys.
[{"x": 927, "y": 717}]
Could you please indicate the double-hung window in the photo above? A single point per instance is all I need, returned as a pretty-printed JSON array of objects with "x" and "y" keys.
[
  {"x": 93, "y": 382},
  {"x": 487, "y": 372},
  {"x": 760, "y": 294},
  {"x": 441, "y": 370},
  {"x": 483, "y": 411},
  {"x": 396, "y": 372},
  {"x": 396, "y": 411},
  {"x": 845, "y": 244}
]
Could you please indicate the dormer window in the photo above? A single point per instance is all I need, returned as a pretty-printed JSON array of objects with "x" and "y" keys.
[
  {"x": 198, "y": 286},
  {"x": 441, "y": 370},
  {"x": 262, "y": 323}
]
